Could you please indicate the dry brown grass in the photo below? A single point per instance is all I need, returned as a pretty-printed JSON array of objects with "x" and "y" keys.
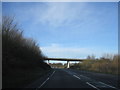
[{"x": 103, "y": 65}]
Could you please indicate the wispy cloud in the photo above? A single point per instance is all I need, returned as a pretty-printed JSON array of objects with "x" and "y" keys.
[
  {"x": 92, "y": 27},
  {"x": 60, "y": 14},
  {"x": 77, "y": 15},
  {"x": 56, "y": 50},
  {"x": 56, "y": 14}
]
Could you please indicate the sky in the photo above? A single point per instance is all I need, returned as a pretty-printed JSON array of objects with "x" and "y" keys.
[
  {"x": 68, "y": 29},
  {"x": 60, "y": 0}
]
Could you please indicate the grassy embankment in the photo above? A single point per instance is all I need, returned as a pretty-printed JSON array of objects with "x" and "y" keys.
[
  {"x": 102, "y": 65},
  {"x": 22, "y": 60}
]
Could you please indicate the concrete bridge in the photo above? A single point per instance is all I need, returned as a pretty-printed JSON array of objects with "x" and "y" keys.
[{"x": 63, "y": 59}]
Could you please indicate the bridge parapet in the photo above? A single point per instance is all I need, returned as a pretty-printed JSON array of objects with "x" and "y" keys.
[{"x": 63, "y": 59}]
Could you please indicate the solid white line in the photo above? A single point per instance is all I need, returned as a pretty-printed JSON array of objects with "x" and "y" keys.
[
  {"x": 108, "y": 85},
  {"x": 43, "y": 83},
  {"x": 52, "y": 74},
  {"x": 76, "y": 76},
  {"x": 46, "y": 80},
  {"x": 92, "y": 85}
]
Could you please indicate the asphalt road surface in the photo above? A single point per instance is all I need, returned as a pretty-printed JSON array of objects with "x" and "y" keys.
[{"x": 70, "y": 78}]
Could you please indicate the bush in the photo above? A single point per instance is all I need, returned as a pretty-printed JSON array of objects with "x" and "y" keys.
[
  {"x": 103, "y": 65},
  {"x": 19, "y": 54}
]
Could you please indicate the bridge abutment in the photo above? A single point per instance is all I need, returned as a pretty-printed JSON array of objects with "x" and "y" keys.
[
  {"x": 48, "y": 62},
  {"x": 68, "y": 64}
]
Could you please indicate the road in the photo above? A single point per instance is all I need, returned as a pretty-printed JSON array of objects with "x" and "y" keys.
[{"x": 70, "y": 78}]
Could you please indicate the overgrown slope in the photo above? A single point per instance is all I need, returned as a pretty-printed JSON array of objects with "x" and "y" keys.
[
  {"x": 102, "y": 65},
  {"x": 22, "y": 60}
]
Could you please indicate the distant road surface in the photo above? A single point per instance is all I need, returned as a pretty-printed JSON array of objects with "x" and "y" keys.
[{"x": 70, "y": 78}]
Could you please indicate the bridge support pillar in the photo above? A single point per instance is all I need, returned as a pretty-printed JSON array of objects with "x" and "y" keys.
[
  {"x": 68, "y": 64},
  {"x": 48, "y": 62}
]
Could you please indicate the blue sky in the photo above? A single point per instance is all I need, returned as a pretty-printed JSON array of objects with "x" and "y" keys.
[{"x": 68, "y": 29}]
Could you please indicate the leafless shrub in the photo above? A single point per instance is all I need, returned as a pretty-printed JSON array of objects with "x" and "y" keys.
[{"x": 106, "y": 64}]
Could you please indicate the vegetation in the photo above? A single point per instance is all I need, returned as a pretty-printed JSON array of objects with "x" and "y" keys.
[
  {"x": 57, "y": 65},
  {"x": 106, "y": 64},
  {"x": 22, "y": 60}
]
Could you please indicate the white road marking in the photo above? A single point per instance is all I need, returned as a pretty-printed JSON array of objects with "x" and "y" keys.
[
  {"x": 84, "y": 76},
  {"x": 43, "y": 83},
  {"x": 101, "y": 83},
  {"x": 76, "y": 76},
  {"x": 52, "y": 74},
  {"x": 89, "y": 83},
  {"x": 108, "y": 85},
  {"x": 46, "y": 80},
  {"x": 92, "y": 85}
]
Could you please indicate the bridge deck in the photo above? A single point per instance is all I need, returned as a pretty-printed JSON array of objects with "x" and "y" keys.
[{"x": 63, "y": 59}]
